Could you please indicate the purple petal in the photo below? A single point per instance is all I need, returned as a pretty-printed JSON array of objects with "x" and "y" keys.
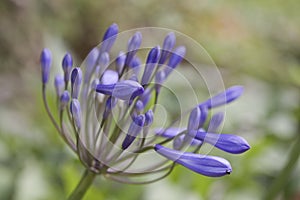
[
  {"x": 109, "y": 77},
  {"x": 125, "y": 90}
]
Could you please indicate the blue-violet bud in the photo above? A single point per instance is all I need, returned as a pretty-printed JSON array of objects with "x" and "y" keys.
[
  {"x": 45, "y": 60},
  {"x": 149, "y": 117},
  {"x": 225, "y": 97},
  {"x": 76, "y": 112},
  {"x": 64, "y": 99},
  {"x": 215, "y": 122},
  {"x": 110, "y": 104},
  {"x": 91, "y": 62},
  {"x": 168, "y": 45},
  {"x": 151, "y": 62},
  {"x": 134, "y": 129},
  {"x": 76, "y": 78},
  {"x": 226, "y": 142},
  {"x": 194, "y": 119},
  {"x": 133, "y": 44},
  {"x": 67, "y": 64},
  {"x": 109, "y": 38},
  {"x": 206, "y": 165},
  {"x": 120, "y": 62},
  {"x": 139, "y": 106},
  {"x": 59, "y": 84},
  {"x": 176, "y": 56}
]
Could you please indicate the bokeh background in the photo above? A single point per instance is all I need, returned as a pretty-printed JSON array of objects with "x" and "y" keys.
[{"x": 254, "y": 43}]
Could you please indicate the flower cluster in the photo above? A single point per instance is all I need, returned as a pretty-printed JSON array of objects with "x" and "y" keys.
[{"x": 106, "y": 108}]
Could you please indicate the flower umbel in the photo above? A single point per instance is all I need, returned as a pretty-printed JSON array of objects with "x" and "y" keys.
[{"x": 107, "y": 113}]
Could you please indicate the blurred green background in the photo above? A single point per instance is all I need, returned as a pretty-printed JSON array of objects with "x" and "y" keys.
[{"x": 254, "y": 43}]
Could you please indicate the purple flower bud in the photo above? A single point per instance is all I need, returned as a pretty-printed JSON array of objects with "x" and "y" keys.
[
  {"x": 225, "y": 97},
  {"x": 149, "y": 117},
  {"x": 109, "y": 38},
  {"x": 134, "y": 129},
  {"x": 160, "y": 77},
  {"x": 136, "y": 65},
  {"x": 168, "y": 45},
  {"x": 45, "y": 60},
  {"x": 64, "y": 99},
  {"x": 136, "y": 62},
  {"x": 76, "y": 78},
  {"x": 226, "y": 142},
  {"x": 215, "y": 122},
  {"x": 111, "y": 102},
  {"x": 67, "y": 64},
  {"x": 193, "y": 125},
  {"x": 176, "y": 56},
  {"x": 91, "y": 62},
  {"x": 139, "y": 106},
  {"x": 133, "y": 44},
  {"x": 206, "y": 165},
  {"x": 194, "y": 119},
  {"x": 59, "y": 84},
  {"x": 151, "y": 62},
  {"x": 178, "y": 142},
  {"x": 146, "y": 96},
  {"x": 76, "y": 112},
  {"x": 120, "y": 62},
  {"x": 125, "y": 90},
  {"x": 169, "y": 132},
  {"x": 109, "y": 77}
]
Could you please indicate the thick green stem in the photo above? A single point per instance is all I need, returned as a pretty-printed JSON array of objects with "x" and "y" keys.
[
  {"x": 282, "y": 178},
  {"x": 84, "y": 184}
]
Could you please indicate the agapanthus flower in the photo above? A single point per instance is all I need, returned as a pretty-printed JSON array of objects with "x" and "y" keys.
[{"x": 106, "y": 113}]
